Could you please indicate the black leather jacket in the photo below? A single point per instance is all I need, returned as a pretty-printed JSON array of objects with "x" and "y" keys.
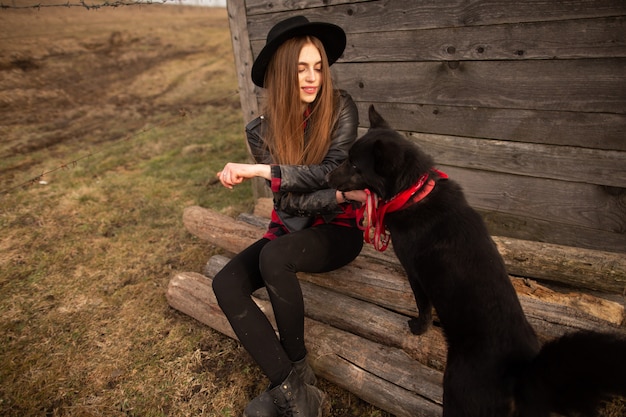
[{"x": 304, "y": 192}]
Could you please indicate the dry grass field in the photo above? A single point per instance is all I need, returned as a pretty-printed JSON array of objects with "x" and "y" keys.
[{"x": 113, "y": 121}]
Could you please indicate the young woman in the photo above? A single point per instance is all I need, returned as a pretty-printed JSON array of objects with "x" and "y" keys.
[{"x": 306, "y": 130}]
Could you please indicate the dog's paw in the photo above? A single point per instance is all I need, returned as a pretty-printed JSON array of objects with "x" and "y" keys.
[{"x": 418, "y": 326}]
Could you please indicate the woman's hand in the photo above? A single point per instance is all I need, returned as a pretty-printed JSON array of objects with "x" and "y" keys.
[
  {"x": 359, "y": 196},
  {"x": 234, "y": 173}
]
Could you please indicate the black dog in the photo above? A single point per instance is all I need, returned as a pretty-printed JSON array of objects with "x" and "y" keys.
[{"x": 495, "y": 365}]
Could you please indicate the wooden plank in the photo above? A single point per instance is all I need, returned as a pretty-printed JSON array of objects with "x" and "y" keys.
[
  {"x": 248, "y": 92},
  {"x": 542, "y": 231},
  {"x": 590, "y": 85},
  {"x": 237, "y": 20},
  {"x": 566, "y": 163},
  {"x": 586, "y": 211},
  {"x": 389, "y": 15},
  {"x": 255, "y": 7},
  {"x": 540, "y": 40},
  {"x": 589, "y": 130}
]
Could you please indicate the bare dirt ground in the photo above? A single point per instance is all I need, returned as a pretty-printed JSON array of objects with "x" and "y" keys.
[
  {"x": 69, "y": 72},
  {"x": 113, "y": 120}
]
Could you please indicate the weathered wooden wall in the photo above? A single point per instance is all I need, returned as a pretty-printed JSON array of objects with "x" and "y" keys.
[{"x": 523, "y": 103}]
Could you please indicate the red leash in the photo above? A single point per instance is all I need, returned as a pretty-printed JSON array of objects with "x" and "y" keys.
[{"x": 371, "y": 215}]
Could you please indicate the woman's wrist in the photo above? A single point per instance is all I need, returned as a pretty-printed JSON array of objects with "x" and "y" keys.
[{"x": 264, "y": 171}]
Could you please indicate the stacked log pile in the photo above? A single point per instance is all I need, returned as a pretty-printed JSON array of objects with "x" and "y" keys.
[{"x": 356, "y": 317}]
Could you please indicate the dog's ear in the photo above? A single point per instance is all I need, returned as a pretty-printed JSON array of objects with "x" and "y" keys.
[{"x": 376, "y": 120}]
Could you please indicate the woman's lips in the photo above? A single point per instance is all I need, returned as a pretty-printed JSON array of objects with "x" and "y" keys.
[{"x": 309, "y": 90}]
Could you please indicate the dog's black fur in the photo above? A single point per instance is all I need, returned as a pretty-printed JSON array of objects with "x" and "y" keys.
[{"x": 495, "y": 365}]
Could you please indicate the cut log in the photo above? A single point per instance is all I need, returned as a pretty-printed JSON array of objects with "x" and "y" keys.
[
  {"x": 576, "y": 267},
  {"x": 336, "y": 305},
  {"x": 601, "y": 308},
  {"x": 362, "y": 318},
  {"x": 191, "y": 293},
  {"x": 385, "y": 284},
  {"x": 219, "y": 229},
  {"x": 356, "y": 317},
  {"x": 384, "y": 376}
]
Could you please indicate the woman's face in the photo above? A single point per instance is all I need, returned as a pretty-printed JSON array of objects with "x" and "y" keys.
[{"x": 309, "y": 73}]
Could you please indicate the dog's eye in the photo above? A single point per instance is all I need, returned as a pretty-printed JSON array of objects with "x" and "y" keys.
[{"x": 356, "y": 168}]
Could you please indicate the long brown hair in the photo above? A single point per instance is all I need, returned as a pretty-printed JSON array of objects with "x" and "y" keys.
[{"x": 285, "y": 136}]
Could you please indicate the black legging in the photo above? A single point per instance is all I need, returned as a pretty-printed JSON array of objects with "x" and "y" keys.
[{"x": 274, "y": 264}]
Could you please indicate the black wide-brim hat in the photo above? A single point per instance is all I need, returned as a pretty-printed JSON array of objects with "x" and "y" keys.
[{"x": 332, "y": 37}]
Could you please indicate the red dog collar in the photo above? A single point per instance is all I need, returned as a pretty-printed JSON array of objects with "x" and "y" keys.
[{"x": 371, "y": 215}]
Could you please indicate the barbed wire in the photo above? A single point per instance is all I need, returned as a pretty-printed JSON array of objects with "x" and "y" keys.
[
  {"x": 83, "y": 3},
  {"x": 182, "y": 113}
]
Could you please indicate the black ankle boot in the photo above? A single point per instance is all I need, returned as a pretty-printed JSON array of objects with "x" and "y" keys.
[
  {"x": 263, "y": 405},
  {"x": 295, "y": 398},
  {"x": 305, "y": 372}
]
